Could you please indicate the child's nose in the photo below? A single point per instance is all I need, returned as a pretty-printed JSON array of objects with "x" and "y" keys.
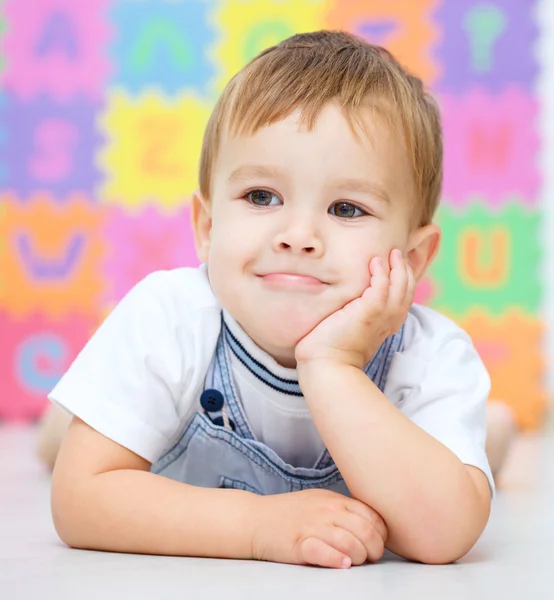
[
  {"x": 306, "y": 249},
  {"x": 299, "y": 239}
]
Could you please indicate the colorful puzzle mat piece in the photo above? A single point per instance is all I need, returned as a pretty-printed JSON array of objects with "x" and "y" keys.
[
  {"x": 55, "y": 46},
  {"x": 162, "y": 44},
  {"x": 142, "y": 243},
  {"x": 404, "y": 28},
  {"x": 510, "y": 346},
  {"x": 52, "y": 258},
  {"x": 50, "y": 146},
  {"x": 153, "y": 148},
  {"x": 489, "y": 259},
  {"x": 486, "y": 44},
  {"x": 37, "y": 351},
  {"x": 248, "y": 27},
  {"x": 490, "y": 146}
]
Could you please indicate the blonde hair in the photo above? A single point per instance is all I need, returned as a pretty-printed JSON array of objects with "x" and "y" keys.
[{"x": 309, "y": 70}]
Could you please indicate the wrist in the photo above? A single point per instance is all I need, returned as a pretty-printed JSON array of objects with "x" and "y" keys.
[
  {"x": 260, "y": 518},
  {"x": 327, "y": 356},
  {"x": 321, "y": 368},
  {"x": 245, "y": 510}
]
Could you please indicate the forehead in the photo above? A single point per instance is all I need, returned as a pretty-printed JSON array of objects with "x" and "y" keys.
[{"x": 334, "y": 148}]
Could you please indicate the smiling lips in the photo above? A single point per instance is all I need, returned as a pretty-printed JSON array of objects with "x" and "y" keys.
[{"x": 293, "y": 281}]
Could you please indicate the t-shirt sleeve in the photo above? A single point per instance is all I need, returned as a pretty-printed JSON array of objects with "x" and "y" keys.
[
  {"x": 126, "y": 381},
  {"x": 445, "y": 392}
]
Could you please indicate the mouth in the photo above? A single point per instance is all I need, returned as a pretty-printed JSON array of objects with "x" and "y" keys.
[{"x": 293, "y": 281}]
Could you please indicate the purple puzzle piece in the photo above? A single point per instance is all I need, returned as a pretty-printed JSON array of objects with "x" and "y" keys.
[
  {"x": 486, "y": 43},
  {"x": 51, "y": 146}
]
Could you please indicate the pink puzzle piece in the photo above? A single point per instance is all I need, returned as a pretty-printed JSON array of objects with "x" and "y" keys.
[
  {"x": 491, "y": 146},
  {"x": 56, "y": 46},
  {"x": 34, "y": 354},
  {"x": 139, "y": 244}
]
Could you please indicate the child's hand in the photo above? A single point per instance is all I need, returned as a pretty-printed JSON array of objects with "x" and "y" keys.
[
  {"x": 318, "y": 527},
  {"x": 354, "y": 333}
]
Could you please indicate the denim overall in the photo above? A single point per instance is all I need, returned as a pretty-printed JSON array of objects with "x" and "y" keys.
[{"x": 218, "y": 448}]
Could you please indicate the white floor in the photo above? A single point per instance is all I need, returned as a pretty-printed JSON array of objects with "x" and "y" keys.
[{"x": 514, "y": 558}]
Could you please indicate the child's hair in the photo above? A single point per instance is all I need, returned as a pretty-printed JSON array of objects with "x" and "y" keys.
[{"x": 309, "y": 70}]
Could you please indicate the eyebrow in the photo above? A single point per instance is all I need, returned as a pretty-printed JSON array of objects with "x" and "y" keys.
[
  {"x": 249, "y": 171},
  {"x": 364, "y": 187},
  {"x": 344, "y": 185}
]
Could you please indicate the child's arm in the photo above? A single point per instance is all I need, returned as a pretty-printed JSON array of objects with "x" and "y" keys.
[
  {"x": 435, "y": 507},
  {"x": 105, "y": 498}
]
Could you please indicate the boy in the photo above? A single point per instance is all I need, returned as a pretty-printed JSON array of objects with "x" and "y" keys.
[{"x": 286, "y": 401}]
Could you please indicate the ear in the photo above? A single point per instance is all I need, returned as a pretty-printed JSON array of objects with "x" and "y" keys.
[
  {"x": 201, "y": 221},
  {"x": 422, "y": 248}
]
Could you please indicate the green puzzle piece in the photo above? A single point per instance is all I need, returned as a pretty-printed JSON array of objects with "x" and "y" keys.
[{"x": 489, "y": 258}]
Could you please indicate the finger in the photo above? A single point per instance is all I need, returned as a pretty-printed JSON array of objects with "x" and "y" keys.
[
  {"x": 344, "y": 541},
  {"x": 411, "y": 287},
  {"x": 366, "y": 532},
  {"x": 399, "y": 280},
  {"x": 317, "y": 552},
  {"x": 379, "y": 283},
  {"x": 369, "y": 514}
]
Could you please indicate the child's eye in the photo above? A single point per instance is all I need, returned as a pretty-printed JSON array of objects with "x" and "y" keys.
[
  {"x": 263, "y": 198},
  {"x": 345, "y": 210}
]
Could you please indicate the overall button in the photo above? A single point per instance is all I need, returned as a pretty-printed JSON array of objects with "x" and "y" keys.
[{"x": 212, "y": 400}]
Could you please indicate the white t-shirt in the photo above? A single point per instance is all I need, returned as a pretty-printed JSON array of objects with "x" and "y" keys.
[{"x": 139, "y": 379}]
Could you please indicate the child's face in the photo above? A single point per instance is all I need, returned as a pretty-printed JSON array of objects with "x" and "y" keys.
[{"x": 294, "y": 220}]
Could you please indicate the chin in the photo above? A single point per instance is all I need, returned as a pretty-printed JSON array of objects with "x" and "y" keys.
[
  {"x": 279, "y": 342},
  {"x": 285, "y": 327},
  {"x": 284, "y": 336}
]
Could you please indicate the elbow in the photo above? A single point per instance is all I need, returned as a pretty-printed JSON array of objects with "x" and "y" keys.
[
  {"x": 441, "y": 542},
  {"x": 446, "y": 546},
  {"x": 440, "y": 555},
  {"x": 432, "y": 549},
  {"x": 66, "y": 526},
  {"x": 447, "y": 534},
  {"x": 68, "y": 514},
  {"x": 65, "y": 529}
]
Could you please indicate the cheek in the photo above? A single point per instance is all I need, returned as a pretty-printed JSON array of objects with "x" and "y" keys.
[
  {"x": 355, "y": 271},
  {"x": 224, "y": 286},
  {"x": 222, "y": 260},
  {"x": 359, "y": 277},
  {"x": 238, "y": 240},
  {"x": 225, "y": 236},
  {"x": 231, "y": 253},
  {"x": 356, "y": 253}
]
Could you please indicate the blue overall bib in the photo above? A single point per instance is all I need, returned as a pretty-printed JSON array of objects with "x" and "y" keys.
[{"x": 218, "y": 448}]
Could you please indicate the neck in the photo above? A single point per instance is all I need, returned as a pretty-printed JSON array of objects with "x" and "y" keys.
[{"x": 284, "y": 357}]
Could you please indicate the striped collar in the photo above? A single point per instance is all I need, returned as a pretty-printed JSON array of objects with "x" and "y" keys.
[
  {"x": 267, "y": 370},
  {"x": 259, "y": 363}
]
